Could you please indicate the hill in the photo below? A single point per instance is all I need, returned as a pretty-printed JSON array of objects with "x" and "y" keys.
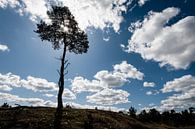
[{"x": 44, "y": 117}]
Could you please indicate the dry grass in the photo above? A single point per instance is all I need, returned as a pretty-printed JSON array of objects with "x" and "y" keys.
[{"x": 43, "y": 118}]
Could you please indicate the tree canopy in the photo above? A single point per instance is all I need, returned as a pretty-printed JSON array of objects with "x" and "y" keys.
[{"x": 63, "y": 30}]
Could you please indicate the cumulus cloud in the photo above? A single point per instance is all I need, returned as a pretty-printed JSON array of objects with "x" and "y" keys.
[
  {"x": 17, "y": 99},
  {"x": 152, "y": 92},
  {"x": 5, "y": 88},
  {"x": 142, "y": 2},
  {"x": 99, "y": 14},
  {"x": 32, "y": 83},
  {"x": 109, "y": 97},
  {"x": 148, "y": 84},
  {"x": 4, "y": 47},
  {"x": 49, "y": 95},
  {"x": 185, "y": 93},
  {"x": 38, "y": 84},
  {"x": 182, "y": 84},
  {"x": 104, "y": 83},
  {"x": 35, "y": 9},
  {"x": 40, "y": 102},
  {"x": 79, "y": 84},
  {"x": 11, "y": 3},
  {"x": 96, "y": 13},
  {"x": 128, "y": 70},
  {"x": 68, "y": 94},
  {"x": 171, "y": 45},
  {"x": 110, "y": 79},
  {"x": 10, "y": 80},
  {"x": 104, "y": 79}
]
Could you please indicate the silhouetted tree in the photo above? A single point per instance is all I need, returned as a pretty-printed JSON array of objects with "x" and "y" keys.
[
  {"x": 185, "y": 116},
  {"x": 5, "y": 105},
  {"x": 143, "y": 116},
  {"x": 191, "y": 110},
  {"x": 165, "y": 117},
  {"x": 63, "y": 31},
  {"x": 132, "y": 112},
  {"x": 154, "y": 115}
]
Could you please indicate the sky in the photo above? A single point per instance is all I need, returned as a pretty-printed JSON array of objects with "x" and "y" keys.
[{"x": 141, "y": 54}]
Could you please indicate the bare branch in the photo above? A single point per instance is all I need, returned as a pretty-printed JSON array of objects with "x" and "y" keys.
[
  {"x": 58, "y": 71},
  {"x": 66, "y": 73},
  {"x": 57, "y": 58},
  {"x": 66, "y": 65}
]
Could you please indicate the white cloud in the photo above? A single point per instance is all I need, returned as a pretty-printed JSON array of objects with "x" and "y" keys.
[
  {"x": 182, "y": 84},
  {"x": 109, "y": 97},
  {"x": 36, "y": 9},
  {"x": 104, "y": 82},
  {"x": 128, "y": 70},
  {"x": 89, "y": 13},
  {"x": 5, "y": 88},
  {"x": 49, "y": 95},
  {"x": 106, "y": 39},
  {"x": 10, "y": 80},
  {"x": 11, "y": 3},
  {"x": 17, "y": 99},
  {"x": 13, "y": 99},
  {"x": 79, "y": 84},
  {"x": 169, "y": 45},
  {"x": 104, "y": 79},
  {"x": 31, "y": 83},
  {"x": 148, "y": 84},
  {"x": 4, "y": 47},
  {"x": 38, "y": 84},
  {"x": 68, "y": 94},
  {"x": 152, "y": 92},
  {"x": 142, "y": 2},
  {"x": 97, "y": 13},
  {"x": 185, "y": 96},
  {"x": 110, "y": 79}
]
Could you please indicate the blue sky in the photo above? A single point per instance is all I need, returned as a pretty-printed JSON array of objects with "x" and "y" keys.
[{"x": 141, "y": 54}]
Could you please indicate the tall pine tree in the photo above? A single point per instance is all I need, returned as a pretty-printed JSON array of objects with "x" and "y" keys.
[{"x": 63, "y": 31}]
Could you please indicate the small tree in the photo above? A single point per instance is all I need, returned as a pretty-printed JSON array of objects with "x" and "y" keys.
[
  {"x": 63, "y": 31},
  {"x": 132, "y": 112}
]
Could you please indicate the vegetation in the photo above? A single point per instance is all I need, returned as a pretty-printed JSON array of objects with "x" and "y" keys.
[
  {"x": 172, "y": 118},
  {"x": 63, "y": 31},
  {"x": 43, "y": 118}
]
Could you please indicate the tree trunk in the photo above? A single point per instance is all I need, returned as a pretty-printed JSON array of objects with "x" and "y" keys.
[{"x": 61, "y": 79}]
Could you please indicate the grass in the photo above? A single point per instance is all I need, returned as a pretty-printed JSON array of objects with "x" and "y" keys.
[{"x": 43, "y": 118}]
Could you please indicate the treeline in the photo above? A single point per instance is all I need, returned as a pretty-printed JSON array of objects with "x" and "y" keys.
[{"x": 173, "y": 118}]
